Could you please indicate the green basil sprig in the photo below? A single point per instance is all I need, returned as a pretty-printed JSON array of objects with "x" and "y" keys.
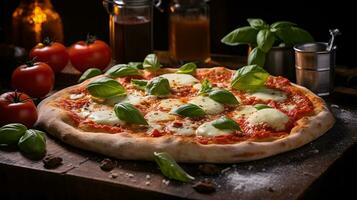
[
  {"x": 158, "y": 86},
  {"x": 10, "y": 134},
  {"x": 206, "y": 87},
  {"x": 251, "y": 77},
  {"x": 188, "y": 68},
  {"x": 33, "y": 144},
  {"x": 170, "y": 168},
  {"x": 151, "y": 63},
  {"x": 257, "y": 23},
  {"x": 189, "y": 110},
  {"x": 122, "y": 70},
  {"x": 223, "y": 96},
  {"x": 128, "y": 113},
  {"x": 137, "y": 65},
  {"x": 225, "y": 123},
  {"x": 105, "y": 87},
  {"x": 256, "y": 57},
  {"x": 261, "y": 106},
  {"x": 243, "y": 35},
  {"x": 89, "y": 73},
  {"x": 140, "y": 84},
  {"x": 265, "y": 40}
]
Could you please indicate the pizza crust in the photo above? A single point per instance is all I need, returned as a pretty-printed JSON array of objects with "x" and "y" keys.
[{"x": 126, "y": 146}]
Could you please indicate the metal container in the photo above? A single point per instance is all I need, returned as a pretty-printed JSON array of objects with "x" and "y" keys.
[
  {"x": 315, "y": 66},
  {"x": 279, "y": 61}
]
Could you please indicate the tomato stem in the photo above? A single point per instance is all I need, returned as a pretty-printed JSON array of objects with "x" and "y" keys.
[
  {"x": 31, "y": 62},
  {"x": 90, "y": 39},
  {"x": 16, "y": 98},
  {"x": 47, "y": 41}
]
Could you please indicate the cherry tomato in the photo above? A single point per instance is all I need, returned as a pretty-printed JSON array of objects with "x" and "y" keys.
[
  {"x": 34, "y": 79},
  {"x": 52, "y": 53},
  {"x": 16, "y": 107},
  {"x": 91, "y": 53}
]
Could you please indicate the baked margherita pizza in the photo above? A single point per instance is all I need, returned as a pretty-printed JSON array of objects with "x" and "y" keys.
[{"x": 214, "y": 115}]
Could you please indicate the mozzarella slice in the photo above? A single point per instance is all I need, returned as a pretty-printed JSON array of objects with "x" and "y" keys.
[
  {"x": 186, "y": 129},
  {"x": 76, "y": 96},
  {"x": 169, "y": 104},
  {"x": 107, "y": 117},
  {"x": 207, "y": 104},
  {"x": 269, "y": 94},
  {"x": 155, "y": 119},
  {"x": 244, "y": 111},
  {"x": 177, "y": 80},
  {"x": 208, "y": 130},
  {"x": 289, "y": 107},
  {"x": 272, "y": 117}
]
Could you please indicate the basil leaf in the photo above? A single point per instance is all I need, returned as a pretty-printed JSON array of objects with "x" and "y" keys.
[
  {"x": 257, "y": 23},
  {"x": 294, "y": 35},
  {"x": 256, "y": 57},
  {"x": 281, "y": 25},
  {"x": 140, "y": 84},
  {"x": 89, "y": 73},
  {"x": 205, "y": 87},
  {"x": 10, "y": 134},
  {"x": 243, "y": 35},
  {"x": 265, "y": 40},
  {"x": 122, "y": 70},
  {"x": 33, "y": 144},
  {"x": 188, "y": 68},
  {"x": 261, "y": 106},
  {"x": 128, "y": 113},
  {"x": 223, "y": 96},
  {"x": 151, "y": 63},
  {"x": 225, "y": 123},
  {"x": 158, "y": 86},
  {"x": 251, "y": 77},
  {"x": 189, "y": 110},
  {"x": 170, "y": 168},
  {"x": 137, "y": 65},
  {"x": 105, "y": 87}
]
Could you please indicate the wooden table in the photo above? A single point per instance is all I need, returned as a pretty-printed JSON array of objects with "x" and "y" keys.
[{"x": 290, "y": 175}]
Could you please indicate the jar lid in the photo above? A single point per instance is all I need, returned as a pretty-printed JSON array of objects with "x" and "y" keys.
[{"x": 131, "y": 2}]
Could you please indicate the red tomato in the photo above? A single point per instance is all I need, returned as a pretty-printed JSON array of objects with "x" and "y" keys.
[
  {"x": 52, "y": 53},
  {"x": 35, "y": 79},
  {"x": 17, "y": 107},
  {"x": 91, "y": 53}
]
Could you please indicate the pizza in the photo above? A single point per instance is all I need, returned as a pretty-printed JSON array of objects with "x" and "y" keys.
[{"x": 213, "y": 115}]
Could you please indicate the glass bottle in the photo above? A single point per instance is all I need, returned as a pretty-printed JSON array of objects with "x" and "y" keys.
[
  {"x": 130, "y": 29},
  {"x": 189, "y": 32},
  {"x": 33, "y": 20}
]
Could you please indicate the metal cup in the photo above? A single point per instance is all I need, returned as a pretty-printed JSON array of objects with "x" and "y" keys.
[{"x": 315, "y": 66}]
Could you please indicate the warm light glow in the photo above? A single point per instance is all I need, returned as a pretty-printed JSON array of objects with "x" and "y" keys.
[{"x": 38, "y": 17}]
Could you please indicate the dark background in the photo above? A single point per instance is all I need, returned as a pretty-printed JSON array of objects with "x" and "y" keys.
[{"x": 82, "y": 16}]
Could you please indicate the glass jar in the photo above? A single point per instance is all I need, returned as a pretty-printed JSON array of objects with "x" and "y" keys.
[
  {"x": 33, "y": 20},
  {"x": 130, "y": 29},
  {"x": 189, "y": 32}
]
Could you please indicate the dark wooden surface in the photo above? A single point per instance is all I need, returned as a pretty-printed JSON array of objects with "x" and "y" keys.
[{"x": 290, "y": 175}]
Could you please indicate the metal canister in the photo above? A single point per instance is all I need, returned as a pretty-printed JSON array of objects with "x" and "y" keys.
[{"x": 314, "y": 66}]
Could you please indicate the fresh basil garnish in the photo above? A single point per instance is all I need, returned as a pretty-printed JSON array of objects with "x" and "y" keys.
[
  {"x": 256, "y": 57},
  {"x": 206, "y": 87},
  {"x": 158, "y": 86},
  {"x": 188, "y": 68},
  {"x": 257, "y": 23},
  {"x": 294, "y": 35},
  {"x": 281, "y": 25},
  {"x": 225, "y": 123},
  {"x": 189, "y": 110},
  {"x": 243, "y": 35},
  {"x": 10, "y": 134},
  {"x": 151, "y": 63},
  {"x": 265, "y": 40},
  {"x": 128, "y": 113},
  {"x": 137, "y": 65},
  {"x": 261, "y": 106},
  {"x": 89, "y": 73},
  {"x": 223, "y": 96},
  {"x": 105, "y": 87},
  {"x": 251, "y": 77},
  {"x": 33, "y": 144},
  {"x": 170, "y": 168},
  {"x": 122, "y": 70},
  {"x": 140, "y": 84}
]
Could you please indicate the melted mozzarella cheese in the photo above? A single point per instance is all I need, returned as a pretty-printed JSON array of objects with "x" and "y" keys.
[
  {"x": 133, "y": 99},
  {"x": 207, "y": 104},
  {"x": 289, "y": 107},
  {"x": 272, "y": 117},
  {"x": 169, "y": 104},
  {"x": 208, "y": 130},
  {"x": 176, "y": 80},
  {"x": 244, "y": 111},
  {"x": 107, "y": 117},
  {"x": 159, "y": 116},
  {"x": 269, "y": 94},
  {"x": 76, "y": 96},
  {"x": 187, "y": 128}
]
